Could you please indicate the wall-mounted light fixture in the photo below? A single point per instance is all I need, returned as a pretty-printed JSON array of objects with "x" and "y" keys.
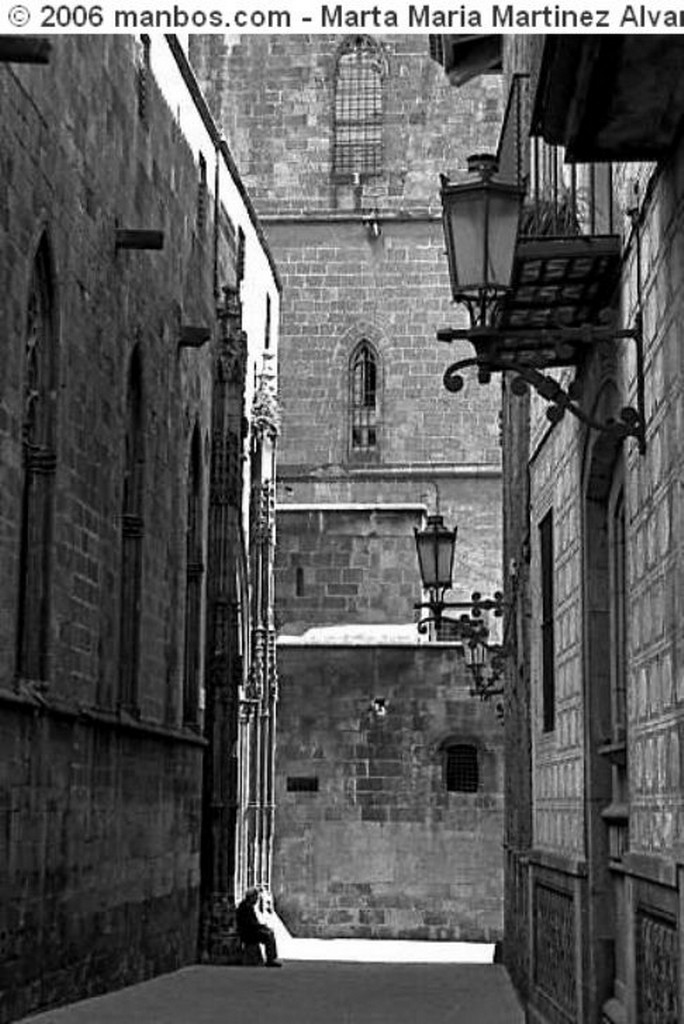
[
  {"x": 378, "y": 707},
  {"x": 533, "y": 303},
  {"x": 371, "y": 222},
  {"x": 435, "y": 546}
]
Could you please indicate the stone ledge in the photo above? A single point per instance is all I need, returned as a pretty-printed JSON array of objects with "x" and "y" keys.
[
  {"x": 28, "y": 697},
  {"x": 575, "y": 866}
]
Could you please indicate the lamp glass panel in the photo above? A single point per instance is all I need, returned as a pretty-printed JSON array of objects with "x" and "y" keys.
[
  {"x": 445, "y": 549},
  {"x": 464, "y": 226},
  {"x": 435, "y": 547},
  {"x": 504, "y": 214}
]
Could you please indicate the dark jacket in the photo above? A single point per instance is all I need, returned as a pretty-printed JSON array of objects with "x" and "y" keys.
[{"x": 250, "y": 928}]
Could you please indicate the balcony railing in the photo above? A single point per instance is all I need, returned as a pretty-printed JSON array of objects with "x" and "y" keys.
[{"x": 562, "y": 199}]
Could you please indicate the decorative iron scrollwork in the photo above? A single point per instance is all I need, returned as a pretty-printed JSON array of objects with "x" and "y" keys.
[{"x": 493, "y": 358}]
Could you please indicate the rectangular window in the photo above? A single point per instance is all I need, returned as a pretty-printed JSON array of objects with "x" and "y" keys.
[
  {"x": 461, "y": 769},
  {"x": 547, "y": 624},
  {"x": 618, "y": 616},
  {"x": 302, "y": 784},
  {"x": 358, "y": 109}
]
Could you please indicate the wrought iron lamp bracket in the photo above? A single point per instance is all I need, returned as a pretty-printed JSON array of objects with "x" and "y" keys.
[
  {"x": 492, "y": 358},
  {"x": 490, "y": 686},
  {"x": 468, "y": 626}
]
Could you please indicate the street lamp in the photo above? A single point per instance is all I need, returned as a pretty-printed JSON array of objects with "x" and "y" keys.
[
  {"x": 435, "y": 549},
  {"x": 480, "y": 220},
  {"x": 512, "y": 292}
]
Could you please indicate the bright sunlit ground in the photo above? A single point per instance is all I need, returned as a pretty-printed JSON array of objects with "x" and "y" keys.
[{"x": 379, "y": 950}]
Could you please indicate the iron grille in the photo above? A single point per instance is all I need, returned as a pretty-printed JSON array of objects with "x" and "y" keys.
[
  {"x": 462, "y": 769},
  {"x": 358, "y": 111}
]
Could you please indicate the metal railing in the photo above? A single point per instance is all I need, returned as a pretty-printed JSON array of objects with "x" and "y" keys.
[{"x": 562, "y": 199}]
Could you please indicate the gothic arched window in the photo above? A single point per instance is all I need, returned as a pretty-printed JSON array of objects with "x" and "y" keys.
[
  {"x": 194, "y": 571},
  {"x": 358, "y": 108},
  {"x": 364, "y": 398},
  {"x": 132, "y": 536},
  {"x": 39, "y": 456}
]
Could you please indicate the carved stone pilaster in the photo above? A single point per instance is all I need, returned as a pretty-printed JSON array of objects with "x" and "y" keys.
[
  {"x": 272, "y": 665},
  {"x": 232, "y": 347},
  {"x": 247, "y": 711},
  {"x": 265, "y": 412},
  {"x": 255, "y": 685},
  {"x": 224, "y": 665},
  {"x": 263, "y": 514}
]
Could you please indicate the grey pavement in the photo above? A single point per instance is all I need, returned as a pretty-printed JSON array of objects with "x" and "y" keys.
[{"x": 308, "y": 993}]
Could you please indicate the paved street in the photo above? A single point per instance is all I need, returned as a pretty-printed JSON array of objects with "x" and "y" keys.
[{"x": 308, "y": 993}]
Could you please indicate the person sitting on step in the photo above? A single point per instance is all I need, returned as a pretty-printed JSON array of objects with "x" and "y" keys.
[{"x": 252, "y": 931}]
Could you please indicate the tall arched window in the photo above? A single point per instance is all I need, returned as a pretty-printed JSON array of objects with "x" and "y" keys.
[
  {"x": 364, "y": 398},
  {"x": 358, "y": 108},
  {"x": 132, "y": 536},
  {"x": 40, "y": 460},
  {"x": 194, "y": 571}
]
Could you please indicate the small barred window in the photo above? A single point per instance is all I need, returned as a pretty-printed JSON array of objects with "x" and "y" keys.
[
  {"x": 358, "y": 108},
  {"x": 461, "y": 769}
]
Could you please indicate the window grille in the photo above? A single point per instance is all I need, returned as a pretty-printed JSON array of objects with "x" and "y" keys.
[
  {"x": 39, "y": 472},
  {"x": 143, "y": 77},
  {"x": 202, "y": 194},
  {"x": 364, "y": 399},
  {"x": 132, "y": 538},
  {"x": 358, "y": 109},
  {"x": 461, "y": 768}
]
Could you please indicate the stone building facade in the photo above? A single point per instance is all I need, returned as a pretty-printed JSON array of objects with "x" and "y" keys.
[
  {"x": 135, "y": 290},
  {"x": 390, "y": 794},
  {"x": 593, "y": 546},
  {"x": 341, "y": 140}
]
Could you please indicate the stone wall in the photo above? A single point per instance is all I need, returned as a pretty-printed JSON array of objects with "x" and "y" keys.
[
  {"x": 344, "y": 281},
  {"x": 346, "y": 564},
  {"x": 100, "y": 805},
  {"x": 367, "y": 547},
  {"x": 274, "y": 95},
  {"x": 381, "y": 849},
  {"x": 100, "y": 854},
  {"x": 603, "y": 878}
]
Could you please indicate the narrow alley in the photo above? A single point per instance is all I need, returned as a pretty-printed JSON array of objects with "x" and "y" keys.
[{"x": 307, "y": 992}]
